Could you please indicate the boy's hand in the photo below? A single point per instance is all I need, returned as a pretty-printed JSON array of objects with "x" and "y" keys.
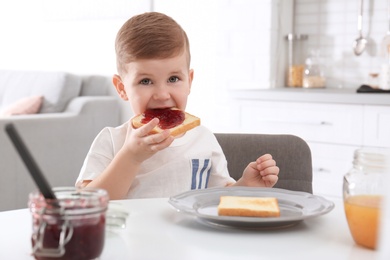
[
  {"x": 261, "y": 173},
  {"x": 141, "y": 145}
]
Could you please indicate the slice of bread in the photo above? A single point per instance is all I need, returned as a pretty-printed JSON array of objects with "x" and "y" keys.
[
  {"x": 189, "y": 122},
  {"x": 248, "y": 206}
]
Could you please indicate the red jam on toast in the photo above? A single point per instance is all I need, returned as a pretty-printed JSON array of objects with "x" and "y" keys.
[{"x": 169, "y": 118}]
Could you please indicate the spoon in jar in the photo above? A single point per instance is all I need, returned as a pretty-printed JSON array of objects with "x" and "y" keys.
[
  {"x": 30, "y": 163},
  {"x": 360, "y": 43}
]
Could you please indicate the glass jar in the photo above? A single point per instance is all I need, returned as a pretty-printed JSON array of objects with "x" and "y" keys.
[
  {"x": 373, "y": 80},
  {"x": 313, "y": 76},
  {"x": 363, "y": 190},
  {"x": 70, "y": 227},
  {"x": 385, "y": 73},
  {"x": 296, "y": 59}
]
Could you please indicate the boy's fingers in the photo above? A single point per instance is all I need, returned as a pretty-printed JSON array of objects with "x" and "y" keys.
[
  {"x": 266, "y": 164},
  {"x": 263, "y": 158},
  {"x": 157, "y": 138},
  {"x": 165, "y": 143},
  {"x": 147, "y": 128},
  {"x": 274, "y": 170}
]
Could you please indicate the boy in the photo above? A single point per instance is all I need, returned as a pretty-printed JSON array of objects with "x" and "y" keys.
[{"x": 153, "y": 62}]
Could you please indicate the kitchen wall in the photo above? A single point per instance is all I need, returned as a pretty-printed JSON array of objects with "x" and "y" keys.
[
  {"x": 332, "y": 28},
  {"x": 233, "y": 46},
  {"x": 70, "y": 35},
  {"x": 229, "y": 40},
  {"x": 76, "y": 36}
]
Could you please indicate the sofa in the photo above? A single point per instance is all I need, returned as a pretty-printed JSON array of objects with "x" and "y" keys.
[{"x": 57, "y": 114}]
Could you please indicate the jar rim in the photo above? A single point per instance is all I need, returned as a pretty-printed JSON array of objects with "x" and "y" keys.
[
  {"x": 372, "y": 157},
  {"x": 72, "y": 201}
]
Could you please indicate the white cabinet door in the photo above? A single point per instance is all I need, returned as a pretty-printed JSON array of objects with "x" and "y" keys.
[
  {"x": 327, "y": 123},
  {"x": 330, "y": 164},
  {"x": 377, "y": 126}
]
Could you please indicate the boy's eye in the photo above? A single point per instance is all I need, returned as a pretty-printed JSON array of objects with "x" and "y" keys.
[
  {"x": 173, "y": 79},
  {"x": 145, "y": 82}
]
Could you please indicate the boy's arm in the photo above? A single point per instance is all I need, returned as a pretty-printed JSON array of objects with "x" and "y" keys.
[
  {"x": 139, "y": 146},
  {"x": 117, "y": 177}
]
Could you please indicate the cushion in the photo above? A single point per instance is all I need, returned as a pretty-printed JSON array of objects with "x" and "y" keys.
[
  {"x": 24, "y": 106},
  {"x": 96, "y": 85},
  {"x": 57, "y": 88}
]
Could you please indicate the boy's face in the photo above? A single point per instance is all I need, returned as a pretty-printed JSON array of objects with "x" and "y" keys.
[{"x": 156, "y": 83}]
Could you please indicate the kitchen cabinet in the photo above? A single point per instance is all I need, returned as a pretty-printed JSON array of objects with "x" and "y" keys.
[
  {"x": 333, "y": 131},
  {"x": 377, "y": 126},
  {"x": 339, "y": 124},
  {"x": 330, "y": 163}
]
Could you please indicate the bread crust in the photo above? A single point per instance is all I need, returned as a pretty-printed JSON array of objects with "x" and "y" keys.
[
  {"x": 248, "y": 206},
  {"x": 190, "y": 121}
]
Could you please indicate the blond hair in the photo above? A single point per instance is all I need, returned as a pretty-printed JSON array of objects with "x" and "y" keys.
[{"x": 150, "y": 35}]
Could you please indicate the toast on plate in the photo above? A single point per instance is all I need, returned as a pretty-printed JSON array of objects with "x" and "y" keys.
[{"x": 248, "y": 206}]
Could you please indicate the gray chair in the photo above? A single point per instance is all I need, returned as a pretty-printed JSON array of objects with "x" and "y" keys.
[{"x": 291, "y": 153}]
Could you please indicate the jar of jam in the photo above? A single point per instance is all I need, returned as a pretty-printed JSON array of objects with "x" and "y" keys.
[
  {"x": 70, "y": 227},
  {"x": 363, "y": 191}
]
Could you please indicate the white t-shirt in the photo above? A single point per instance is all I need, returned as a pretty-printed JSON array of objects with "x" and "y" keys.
[{"x": 193, "y": 161}]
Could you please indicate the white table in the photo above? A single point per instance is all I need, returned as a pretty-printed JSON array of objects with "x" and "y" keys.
[{"x": 155, "y": 230}]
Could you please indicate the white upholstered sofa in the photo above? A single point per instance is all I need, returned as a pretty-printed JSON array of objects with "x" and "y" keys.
[{"x": 73, "y": 110}]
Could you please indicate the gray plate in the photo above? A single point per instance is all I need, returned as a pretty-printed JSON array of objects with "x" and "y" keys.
[{"x": 294, "y": 206}]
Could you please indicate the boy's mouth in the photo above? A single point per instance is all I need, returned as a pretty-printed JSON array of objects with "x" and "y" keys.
[{"x": 156, "y": 108}]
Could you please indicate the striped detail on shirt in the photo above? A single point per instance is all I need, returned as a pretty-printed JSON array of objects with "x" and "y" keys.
[{"x": 200, "y": 173}]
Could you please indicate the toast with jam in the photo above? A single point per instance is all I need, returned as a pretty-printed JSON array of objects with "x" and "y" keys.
[{"x": 176, "y": 120}]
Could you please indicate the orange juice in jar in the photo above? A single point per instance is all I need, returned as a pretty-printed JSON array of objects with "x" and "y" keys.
[
  {"x": 363, "y": 216},
  {"x": 363, "y": 189}
]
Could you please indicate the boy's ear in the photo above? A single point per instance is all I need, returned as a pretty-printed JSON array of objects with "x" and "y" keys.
[
  {"x": 120, "y": 88},
  {"x": 191, "y": 77}
]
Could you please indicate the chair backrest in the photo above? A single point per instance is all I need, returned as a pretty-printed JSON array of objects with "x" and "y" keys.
[{"x": 291, "y": 153}]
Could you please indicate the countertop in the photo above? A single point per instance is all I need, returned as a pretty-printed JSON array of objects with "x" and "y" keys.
[{"x": 323, "y": 95}]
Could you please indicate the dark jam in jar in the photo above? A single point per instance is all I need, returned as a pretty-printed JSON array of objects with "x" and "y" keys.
[
  {"x": 86, "y": 242},
  {"x": 75, "y": 230},
  {"x": 169, "y": 118}
]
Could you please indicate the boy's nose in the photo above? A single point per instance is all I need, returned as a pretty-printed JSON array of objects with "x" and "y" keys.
[{"x": 162, "y": 93}]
